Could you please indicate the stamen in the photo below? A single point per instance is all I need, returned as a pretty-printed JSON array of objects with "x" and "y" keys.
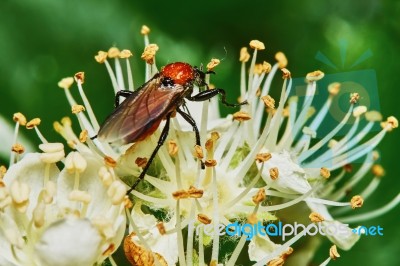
[
  {"x": 77, "y": 109},
  {"x": 244, "y": 55},
  {"x": 333, "y": 253},
  {"x": 79, "y": 78},
  {"x": 356, "y": 202},
  {"x": 316, "y": 217},
  {"x": 325, "y": 173},
  {"x": 101, "y": 58},
  {"x": 18, "y": 148},
  {"x": 114, "y": 52},
  {"x": 259, "y": 197},
  {"x": 329, "y": 136},
  {"x": 282, "y": 60},
  {"x": 241, "y": 116},
  {"x": 116, "y": 192},
  {"x": 195, "y": 193},
  {"x": 314, "y": 76},
  {"x": 83, "y": 136},
  {"x": 172, "y": 147},
  {"x": 274, "y": 173},
  {"x": 204, "y": 219},
  {"x": 373, "y": 214},
  {"x": 126, "y": 54},
  {"x": 212, "y": 64},
  {"x": 19, "y": 193},
  {"x": 263, "y": 157}
]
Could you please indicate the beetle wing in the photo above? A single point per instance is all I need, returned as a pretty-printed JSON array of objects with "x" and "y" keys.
[{"x": 141, "y": 113}]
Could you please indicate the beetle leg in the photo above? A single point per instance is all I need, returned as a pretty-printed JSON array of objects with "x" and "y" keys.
[
  {"x": 191, "y": 121},
  {"x": 208, "y": 94},
  {"x": 161, "y": 140},
  {"x": 122, "y": 93}
]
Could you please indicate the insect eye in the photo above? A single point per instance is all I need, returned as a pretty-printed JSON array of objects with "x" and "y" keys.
[{"x": 167, "y": 82}]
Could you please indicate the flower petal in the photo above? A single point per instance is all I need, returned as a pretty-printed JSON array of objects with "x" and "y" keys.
[
  {"x": 291, "y": 178},
  {"x": 260, "y": 247},
  {"x": 67, "y": 242}
]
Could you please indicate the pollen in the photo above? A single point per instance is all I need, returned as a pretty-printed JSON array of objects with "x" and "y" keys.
[
  {"x": 195, "y": 192},
  {"x": 204, "y": 219},
  {"x": 66, "y": 121},
  {"x": 127, "y": 202},
  {"x": 172, "y": 147},
  {"x": 113, "y": 52},
  {"x": 66, "y": 83},
  {"x": 356, "y": 202},
  {"x": 333, "y": 253},
  {"x": 80, "y": 76},
  {"x": 316, "y": 217},
  {"x": 141, "y": 162},
  {"x": 257, "y": 45},
  {"x": 77, "y": 108},
  {"x": 244, "y": 55},
  {"x": 180, "y": 194},
  {"x": 83, "y": 136},
  {"x": 212, "y": 64},
  {"x": 149, "y": 53},
  {"x": 110, "y": 161},
  {"x": 209, "y": 145},
  {"x": 373, "y": 116},
  {"x": 286, "y": 73},
  {"x": 266, "y": 67},
  {"x": 260, "y": 196},
  {"x": 198, "y": 152},
  {"x": 359, "y": 110},
  {"x": 274, "y": 173},
  {"x": 282, "y": 60},
  {"x": 215, "y": 135},
  {"x": 33, "y": 123},
  {"x": 334, "y": 88},
  {"x": 18, "y": 148},
  {"x": 3, "y": 171},
  {"x": 393, "y": 121},
  {"x": 137, "y": 255},
  {"x": 258, "y": 69},
  {"x": 263, "y": 157},
  {"x": 144, "y": 30},
  {"x": 161, "y": 228},
  {"x": 324, "y": 172},
  {"x": 354, "y": 97},
  {"x": 210, "y": 163},
  {"x": 125, "y": 54},
  {"x": 101, "y": 57},
  {"x": 268, "y": 101},
  {"x": 241, "y": 116},
  {"x": 19, "y": 118},
  {"x": 377, "y": 170},
  {"x": 315, "y": 75}
]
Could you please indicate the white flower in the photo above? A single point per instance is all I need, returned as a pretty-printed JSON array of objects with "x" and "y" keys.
[
  {"x": 54, "y": 217},
  {"x": 262, "y": 150}
]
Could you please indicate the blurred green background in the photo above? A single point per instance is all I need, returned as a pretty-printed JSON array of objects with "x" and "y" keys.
[{"x": 42, "y": 41}]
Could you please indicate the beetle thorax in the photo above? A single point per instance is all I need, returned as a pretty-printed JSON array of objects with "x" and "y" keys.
[{"x": 180, "y": 73}]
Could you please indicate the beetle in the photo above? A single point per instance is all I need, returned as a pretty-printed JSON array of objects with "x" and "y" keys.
[{"x": 141, "y": 113}]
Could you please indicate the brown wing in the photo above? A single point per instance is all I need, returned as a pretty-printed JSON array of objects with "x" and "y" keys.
[{"x": 141, "y": 113}]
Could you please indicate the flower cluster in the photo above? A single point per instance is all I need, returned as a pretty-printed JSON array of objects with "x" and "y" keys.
[{"x": 260, "y": 162}]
